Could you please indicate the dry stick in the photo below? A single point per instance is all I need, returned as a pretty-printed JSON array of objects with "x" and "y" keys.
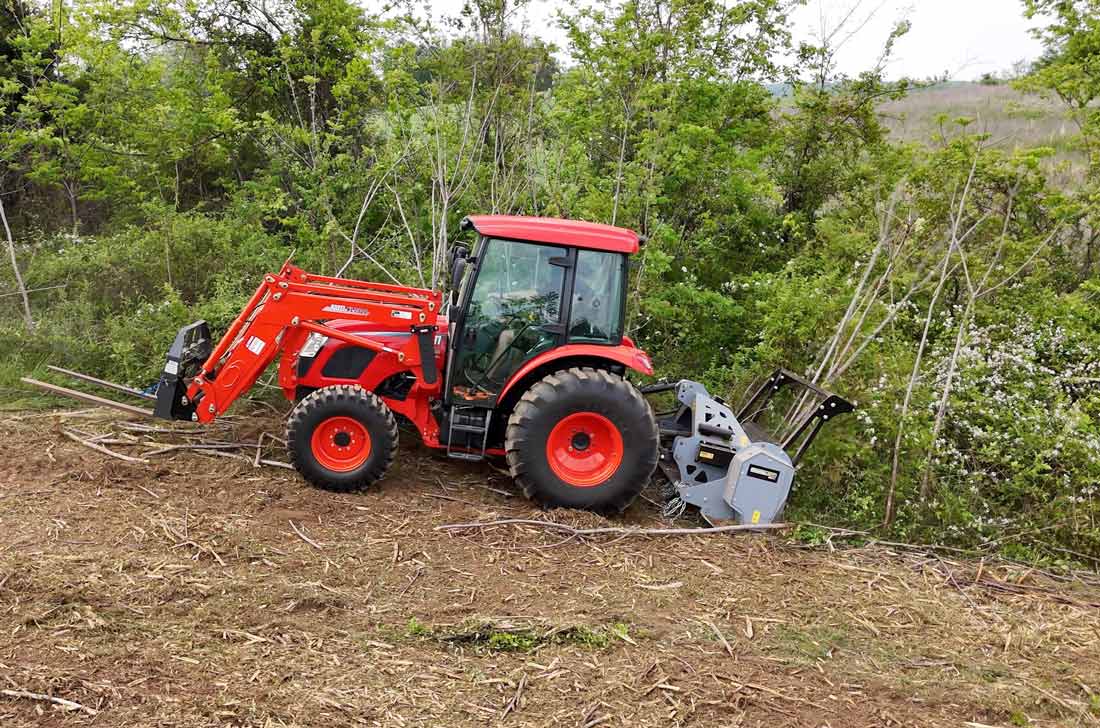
[
  {"x": 513, "y": 704},
  {"x": 263, "y": 461},
  {"x": 610, "y": 530},
  {"x": 841, "y": 360},
  {"x": 839, "y": 368},
  {"x": 367, "y": 200},
  {"x": 259, "y": 450},
  {"x": 155, "y": 495},
  {"x": 34, "y": 290},
  {"x": 945, "y": 395},
  {"x": 838, "y": 335},
  {"x": 196, "y": 446},
  {"x": 408, "y": 230},
  {"x": 91, "y": 411},
  {"x": 718, "y": 633},
  {"x": 961, "y": 334},
  {"x": 66, "y": 704},
  {"x": 890, "y": 316},
  {"x": 449, "y": 186},
  {"x": 830, "y": 358},
  {"x": 306, "y": 538},
  {"x": 776, "y": 693},
  {"x": 99, "y": 448}
]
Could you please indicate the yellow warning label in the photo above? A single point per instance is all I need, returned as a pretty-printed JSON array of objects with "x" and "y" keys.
[
  {"x": 756, "y": 516},
  {"x": 744, "y": 441},
  {"x": 706, "y": 456}
]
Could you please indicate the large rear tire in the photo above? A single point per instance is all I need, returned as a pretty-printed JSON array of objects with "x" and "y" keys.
[
  {"x": 582, "y": 438},
  {"x": 341, "y": 438}
]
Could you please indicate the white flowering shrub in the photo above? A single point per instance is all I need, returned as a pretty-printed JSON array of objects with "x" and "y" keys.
[{"x": 1021, "y": 447}]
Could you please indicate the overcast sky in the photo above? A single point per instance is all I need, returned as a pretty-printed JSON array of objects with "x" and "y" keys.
[{"x": 960, "y": 38}]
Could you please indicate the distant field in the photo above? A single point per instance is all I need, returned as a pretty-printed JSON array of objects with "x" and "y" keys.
[{"x": 1013, "y": 119}]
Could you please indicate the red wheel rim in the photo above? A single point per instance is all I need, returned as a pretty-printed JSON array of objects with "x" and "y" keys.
[
  {"x": 341, "y": 444},
  {"x": 584, "y": 449}
]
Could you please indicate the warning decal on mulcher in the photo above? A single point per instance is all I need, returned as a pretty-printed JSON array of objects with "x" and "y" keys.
[
  {"x": 255, "y": 344},
  {"x": 719, "y": 457},
  {"x": 755, "y": 471}
]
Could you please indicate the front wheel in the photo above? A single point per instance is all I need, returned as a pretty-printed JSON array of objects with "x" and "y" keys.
[
  {"x": 341, "y": 438},
  {"x": 582, "y": 438}
]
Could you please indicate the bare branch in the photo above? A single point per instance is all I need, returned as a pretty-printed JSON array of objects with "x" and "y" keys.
[{"x": 20, "y": 285}]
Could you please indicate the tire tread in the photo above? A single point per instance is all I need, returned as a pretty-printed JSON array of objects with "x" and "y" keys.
[
  {"x": 327, "y": 397},
  {"x": 544, "y": 393}
]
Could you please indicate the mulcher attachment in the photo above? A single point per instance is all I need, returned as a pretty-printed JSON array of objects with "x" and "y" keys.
[{"x": 727, "y": 465}]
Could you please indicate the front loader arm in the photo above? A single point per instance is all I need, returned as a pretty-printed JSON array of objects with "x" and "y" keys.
[{"x": 285, "y": 308}]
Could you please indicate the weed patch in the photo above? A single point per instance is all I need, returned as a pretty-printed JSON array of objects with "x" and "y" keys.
[{"x": 507, "y": 637}]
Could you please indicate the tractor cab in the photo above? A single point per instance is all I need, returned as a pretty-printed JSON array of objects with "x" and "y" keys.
[{"x": 530, "y": 286}]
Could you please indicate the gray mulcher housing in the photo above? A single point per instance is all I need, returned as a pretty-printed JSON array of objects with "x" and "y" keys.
[{"x": 727, "y": 465}]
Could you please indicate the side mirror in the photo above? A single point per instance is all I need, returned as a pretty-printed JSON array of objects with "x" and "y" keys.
[
  {"x": 457, "y": 269},
  {"x": 459, "y": 250}
]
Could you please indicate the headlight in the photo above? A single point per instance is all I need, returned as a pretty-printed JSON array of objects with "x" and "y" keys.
[{"x": 313, "y": 345}]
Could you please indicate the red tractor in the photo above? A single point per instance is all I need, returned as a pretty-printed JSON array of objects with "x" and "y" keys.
[{"x": 526, "y": 359}]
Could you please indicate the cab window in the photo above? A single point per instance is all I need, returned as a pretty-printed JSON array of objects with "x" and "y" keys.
[
  {"x": 517, "y": 296},
  {"x": 596, "y": 311}
]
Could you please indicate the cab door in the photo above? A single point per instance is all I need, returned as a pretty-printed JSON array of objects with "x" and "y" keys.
[{"x": 513, "y": 310}]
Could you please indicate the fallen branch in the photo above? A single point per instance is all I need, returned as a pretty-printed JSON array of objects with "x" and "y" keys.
[
  {"x": 610, "y": 530},
  {"x": 66, "y": 704},
  {"x": 220, "y": 453},
  {"x": 99, "y": 448},
  {"x": 197, "y": 446},
  {"x": 89, "y": 412}
]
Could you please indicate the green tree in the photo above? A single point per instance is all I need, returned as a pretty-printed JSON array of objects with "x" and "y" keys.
[{"x": 1069, "y": 70}]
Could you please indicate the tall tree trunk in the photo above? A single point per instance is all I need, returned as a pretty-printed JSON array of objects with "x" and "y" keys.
[
  {"x": 619, "y": 167},
  {"x": 70, "y": 191},
  {"x": 891, "y": 494},
  {"x": 945, "y": 396},
  {"x": 15, "y": 269}
]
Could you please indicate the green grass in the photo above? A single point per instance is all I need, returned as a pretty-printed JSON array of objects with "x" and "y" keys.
[
  {"x": 809, "y": 645},
  {"x": 15, "y": 396},
  {"x": 491, "y": 637}
]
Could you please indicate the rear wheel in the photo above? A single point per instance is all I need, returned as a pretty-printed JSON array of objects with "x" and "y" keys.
[
  {"x": 582, "y": 438},
  {"x": 341, "y": 438}
]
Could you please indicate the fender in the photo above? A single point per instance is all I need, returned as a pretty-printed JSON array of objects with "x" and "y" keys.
[{"x": 625, "y": 353}]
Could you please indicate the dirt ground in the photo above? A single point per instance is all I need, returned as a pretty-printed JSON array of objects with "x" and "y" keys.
[{"x": 193, "y": 590}]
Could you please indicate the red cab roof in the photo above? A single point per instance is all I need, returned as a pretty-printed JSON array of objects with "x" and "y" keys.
[{"x": 572, "y": 233}]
